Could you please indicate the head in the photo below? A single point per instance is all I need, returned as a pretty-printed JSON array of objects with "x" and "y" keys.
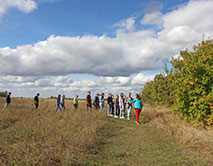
[
  {"x": 9, "y": 93},
  {"x": 89, "y": 93},
  {"x": 121, "y": 94},
  {"x": 59, "y": 96},
  {"x": 102, "y": 94},
  {"x": 63, "y": 96},
  {"x": 117, "y": 96},
  {"x": 137, "y": 96},
  {"x": 129, "y": 94},
  {"x": 97, "y": 94},
  {"x": 76, "y": 96},
  {"x": 38, "y": 94},
  {"x": 112, "y": 96}
]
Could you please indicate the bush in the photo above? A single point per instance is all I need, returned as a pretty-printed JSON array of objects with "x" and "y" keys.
[{"x": 188, "y": 87}]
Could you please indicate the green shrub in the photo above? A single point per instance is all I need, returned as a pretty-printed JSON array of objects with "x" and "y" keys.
[{"x": 188, "y": 87}]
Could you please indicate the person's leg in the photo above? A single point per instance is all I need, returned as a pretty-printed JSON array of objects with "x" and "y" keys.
[
  {"x": 36, "y": 106},
  {"x": 123, "y": 113},
  {"x": 128, "y": 112},
  {"x": 111, "y": 113},
  {"x": 108, "y": 109},
  {"x": 137, "y": 111},
  {"x": 115, "y": 111},
  {"x": 5, "y": 106}
]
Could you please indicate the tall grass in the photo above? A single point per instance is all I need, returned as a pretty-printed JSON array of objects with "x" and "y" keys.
[
  {"x": 193, "y": 138},
  {"x": 45, "y": 137}
]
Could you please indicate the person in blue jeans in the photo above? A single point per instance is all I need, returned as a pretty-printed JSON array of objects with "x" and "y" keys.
[
  {"x": 63, "y": 103},
  {"x": 128, "y": 105},
  {"x": 121, "y": 105},
  {"x": 58, "y": 103},
  {"x": 102, "y": 108}
]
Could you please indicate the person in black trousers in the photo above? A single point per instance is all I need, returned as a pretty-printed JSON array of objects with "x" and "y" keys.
[
  {"x": 36, "y": 101},
  {"x": 8, "y": 101}
]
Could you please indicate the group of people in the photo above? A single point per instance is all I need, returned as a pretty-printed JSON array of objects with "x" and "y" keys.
[{"x": 116, "y": 105}]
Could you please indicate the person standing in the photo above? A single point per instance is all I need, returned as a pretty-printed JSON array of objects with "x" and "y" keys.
[
  {"x": 109, "y": 101},
  {"x": 96, "y": 101},
  {"x": 112, "y": 104},
  {"x": 88, "y": 101},
  {"x": 121, "y": 105},
  {"x": 129, "y": 105},
  {"x": 36, "y": 101},
  {"x": 102, "y": 108},
  {"x": 8, "y": 101},
  {"x": 116, "y": 105},
  {"x": 58, "y": 103},
  {"x": 138, "y": 106},
  {"x": 75, "y": 102},
  {"x": 63, "y": 103}
]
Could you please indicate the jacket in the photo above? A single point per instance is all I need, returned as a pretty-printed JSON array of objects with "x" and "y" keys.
[{"x": 138, "y": 103}]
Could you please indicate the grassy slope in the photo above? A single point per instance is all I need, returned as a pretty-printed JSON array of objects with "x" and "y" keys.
[{"x": 88, "y": 138}]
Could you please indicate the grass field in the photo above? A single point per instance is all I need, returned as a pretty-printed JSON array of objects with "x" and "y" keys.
[{"x": 87, "y": 138}]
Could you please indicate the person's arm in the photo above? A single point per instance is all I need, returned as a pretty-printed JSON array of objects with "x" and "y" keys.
[{"x": 132, "y": 101}]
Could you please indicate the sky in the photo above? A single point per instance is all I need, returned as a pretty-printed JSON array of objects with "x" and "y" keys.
[{"x": 103, "y": 46}]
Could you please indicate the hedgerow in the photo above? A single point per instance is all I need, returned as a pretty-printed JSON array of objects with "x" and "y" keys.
[{"x": 188, "y": 86}]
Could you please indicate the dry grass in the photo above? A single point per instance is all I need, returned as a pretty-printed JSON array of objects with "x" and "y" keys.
[
  {"x": 45, "y": 137},
  {"x": 194, "y": 138}
]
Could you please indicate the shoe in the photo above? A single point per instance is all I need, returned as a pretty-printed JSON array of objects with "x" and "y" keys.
[
  {"x": 115, "y": 116},
  {"x": 110, "y": 115},
  {"x": 122, "y": 117}
]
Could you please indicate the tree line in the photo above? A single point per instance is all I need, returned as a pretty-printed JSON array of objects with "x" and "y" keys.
[{"x": 188, "y": 86}]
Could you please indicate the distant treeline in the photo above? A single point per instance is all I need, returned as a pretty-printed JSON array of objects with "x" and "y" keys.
[
  {"x": 188, "y": 86},
  {"x": 3, "y": 94}
]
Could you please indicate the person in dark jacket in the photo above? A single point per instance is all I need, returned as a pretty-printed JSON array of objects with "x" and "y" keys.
[
  {"x": 88, "y": 100},
  {"x": 8, "y": 101},
  {"x": 36, "y": 101},
  {"x": 109, "y": 101},
  {"x": 58, "y": 103},
  {"x": 96, "y": 102}
]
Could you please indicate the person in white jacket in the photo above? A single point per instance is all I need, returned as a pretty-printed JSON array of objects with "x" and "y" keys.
[{"x": 121, "y": 105}]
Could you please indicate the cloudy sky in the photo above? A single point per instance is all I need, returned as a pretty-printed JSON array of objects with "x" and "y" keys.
[{"x": 72, "y": 46}]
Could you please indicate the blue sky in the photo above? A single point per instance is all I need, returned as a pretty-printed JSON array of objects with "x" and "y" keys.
[
  {"x": 71, "y": 18},
  {"x": 71, "y": 46}
]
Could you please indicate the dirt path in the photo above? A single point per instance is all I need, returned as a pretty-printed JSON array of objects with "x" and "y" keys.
[{"x": 125, "y": 143}]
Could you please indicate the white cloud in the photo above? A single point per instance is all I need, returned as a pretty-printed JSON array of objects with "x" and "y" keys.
[
  {"x": 126, "y": 25},
  {"x": 153, "y": 18},
  {"x": 23, "y": 5},
  {"x": 196, "y": 14},
  {"x": 126, "y": 53},
  {"x": 141, "y": 79},
  {"x": 63, "y": 81},
  {"x": 37, "y": 67},
  {"x": 153, "y": 14}
]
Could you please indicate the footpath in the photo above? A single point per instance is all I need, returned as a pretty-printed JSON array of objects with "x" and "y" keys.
[{"x": 124, "y": 143}]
